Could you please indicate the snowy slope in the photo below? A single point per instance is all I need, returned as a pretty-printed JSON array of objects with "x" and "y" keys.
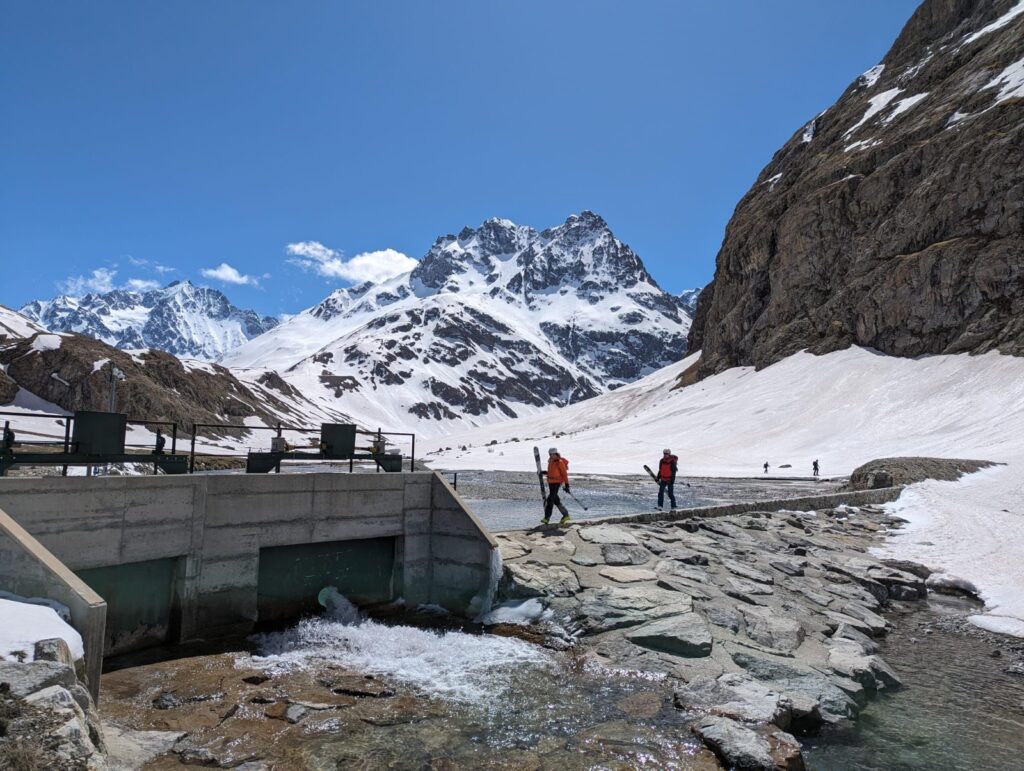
[
  {"x": 15, "y": 325},
  {"x": 843, "y": 408},
  {"x": 497, "y": 322},
  {"x": 181, "y": 318}
]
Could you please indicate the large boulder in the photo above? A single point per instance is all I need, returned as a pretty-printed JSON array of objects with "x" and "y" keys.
[
  {"x": 685, "y": 635},
  {"x": 747, "y": 749}
]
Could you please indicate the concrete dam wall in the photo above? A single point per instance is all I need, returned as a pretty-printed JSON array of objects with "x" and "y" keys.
[{"x": 204, "y": 557}]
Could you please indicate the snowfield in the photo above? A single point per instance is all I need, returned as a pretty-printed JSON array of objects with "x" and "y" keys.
[{"x": 844, "y": 409}]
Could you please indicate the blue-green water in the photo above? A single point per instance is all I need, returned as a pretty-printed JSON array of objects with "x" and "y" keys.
[{"x": 959, "y": 710}]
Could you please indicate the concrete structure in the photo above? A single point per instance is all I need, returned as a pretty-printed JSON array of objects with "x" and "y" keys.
[
  {"x": 806, "y": 503},
  {"x": 28, "y": 569},
  {"x": 201, "y": 557}
]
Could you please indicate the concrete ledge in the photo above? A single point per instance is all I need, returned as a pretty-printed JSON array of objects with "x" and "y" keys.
[
  {"x": 807, "y": 503},
  {"x": 29, "y": 569}
]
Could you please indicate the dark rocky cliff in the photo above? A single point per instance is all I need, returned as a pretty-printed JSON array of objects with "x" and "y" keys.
[{"x": 895, "y": 219}]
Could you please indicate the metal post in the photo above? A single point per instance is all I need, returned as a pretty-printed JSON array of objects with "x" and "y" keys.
[
  {"x": 351, "y": 465},
  {"x": 455, "y": 480},
  {"x": 277, "y": 469},
  {"x": 378, "y": 448},
  {"x": 192, "y": 452},
  {"x": 67, "y": 444},
  {"x": 412, "y": 460},
  {"x": 174, "y": 437}
]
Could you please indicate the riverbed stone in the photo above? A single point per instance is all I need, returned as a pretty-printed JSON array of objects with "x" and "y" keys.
[
  {"x": 875, "y": 624},
  {"x": 511, "y": 548},
  {"x": 796, "y": 681},
  {"x": 614, "y": 607},
  {"x": 747, "y": 591},
  {"x": 745, "y": 571},
  {"x": 847, "y": 658},
  {"x": 624, "y": 575},
  {"x": 723, "y": 614},
  {"x": 735, "y": 695},
  {"x": 772, "y": 629},
  {"x": 686, "y": 634},
  {"x": 746, "y": 749},
  {"x": 532, "y": 578},
  {"x": 30, "y": 677},
  {"x": 608, "y": 534},
  {"x": 624, "y": 554}
]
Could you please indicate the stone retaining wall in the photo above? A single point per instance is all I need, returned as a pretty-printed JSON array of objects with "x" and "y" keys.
[{"x": 807, "y": 503}]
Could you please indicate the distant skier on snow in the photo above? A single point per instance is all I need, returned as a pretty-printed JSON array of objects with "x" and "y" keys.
[
  {"x": 766, "y": 467},
  {"x": 815, "y": 467},
  {"x": 668, "y": 466},
  {"x": 558, "y": 475}
]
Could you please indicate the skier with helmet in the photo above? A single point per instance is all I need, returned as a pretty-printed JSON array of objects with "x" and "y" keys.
[
  {"x": 558, "y": 476},
  {"x": 668, "y": 466}
]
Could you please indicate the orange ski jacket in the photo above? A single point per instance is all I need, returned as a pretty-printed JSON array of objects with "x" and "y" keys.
[{"x": 558, "y": 471}]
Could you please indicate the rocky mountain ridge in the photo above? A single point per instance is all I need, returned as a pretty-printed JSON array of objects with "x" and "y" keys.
[
  {"x": 495, "y": 322},
  {"x": 895, "y": 218},
  {"x": 181, "y": 318}
]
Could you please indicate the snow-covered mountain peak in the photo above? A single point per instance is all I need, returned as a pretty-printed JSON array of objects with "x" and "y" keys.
[
  {"x": 494, "y": 321},
  {"x": 181, "y": 318}
]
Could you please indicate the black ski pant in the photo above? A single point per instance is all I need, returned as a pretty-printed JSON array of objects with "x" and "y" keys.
[
  {"x": 554, "y": 501},
  {"x": 669, "y": 485}
]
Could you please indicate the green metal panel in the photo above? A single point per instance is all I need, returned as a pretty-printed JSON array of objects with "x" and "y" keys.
[
  {"x": 139, "y": 599},
  {"x": 291, "y": 577}
]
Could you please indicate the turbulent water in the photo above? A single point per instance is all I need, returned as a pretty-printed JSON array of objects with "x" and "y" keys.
[
  {"x": 502, "y": 699},
  {"x": 959, "y": 710}
]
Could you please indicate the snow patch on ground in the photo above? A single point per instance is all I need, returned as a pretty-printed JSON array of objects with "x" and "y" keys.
[
  {"x": 871, "y": 77},
  {"x": 877, "y": 104},
  {"x": 1010, "y": 82},
  {"x": 46, "y": 343},
  {"x": 973, "y": 529},
  {"x": 999, "y": 23},
  {"x": 26, "y": 622},
  {"x": 903, "y": 105}
]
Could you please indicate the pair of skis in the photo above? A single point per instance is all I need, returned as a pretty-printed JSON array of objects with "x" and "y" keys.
[
  {"x": 655, "y": 476},
  {"x": 543, "y": 487}
]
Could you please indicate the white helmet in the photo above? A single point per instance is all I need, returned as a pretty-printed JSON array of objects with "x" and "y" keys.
[{"x": 667, "y": 451}]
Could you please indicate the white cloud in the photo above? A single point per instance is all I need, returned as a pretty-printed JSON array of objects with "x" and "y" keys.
[
  {"x": 100, "y": 280},
  {"x": 374, "y": 266},
  {"x": 162, "y": 269},
  {"x": 229, "y": 275},
  {"x": 142, "y": 284}
]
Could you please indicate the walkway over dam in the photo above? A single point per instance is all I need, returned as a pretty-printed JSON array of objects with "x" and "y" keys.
[{"x": 183, "y": 558}]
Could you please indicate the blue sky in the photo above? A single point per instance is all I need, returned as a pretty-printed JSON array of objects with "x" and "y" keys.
[{"x": 146, "y": 141}]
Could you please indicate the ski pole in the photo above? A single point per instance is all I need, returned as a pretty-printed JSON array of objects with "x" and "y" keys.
[{"x": 569, "y": 493}]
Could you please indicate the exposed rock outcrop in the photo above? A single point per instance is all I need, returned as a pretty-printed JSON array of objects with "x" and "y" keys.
[{"x": 895, "y": 218}]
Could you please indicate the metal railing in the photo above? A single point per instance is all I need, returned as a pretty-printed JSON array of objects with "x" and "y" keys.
[{"x": 67, "y": 446}]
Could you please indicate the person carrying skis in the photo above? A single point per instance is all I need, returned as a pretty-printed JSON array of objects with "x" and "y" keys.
[
  {"x": 558, "y": 475},
  {"x": 815, "y": 467},
  {"x": 667, "y": 468}
]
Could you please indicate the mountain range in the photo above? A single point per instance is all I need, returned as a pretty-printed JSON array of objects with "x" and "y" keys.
[
  {"x": 182, "y": 318},
  {"x": 494, "y": 322}
]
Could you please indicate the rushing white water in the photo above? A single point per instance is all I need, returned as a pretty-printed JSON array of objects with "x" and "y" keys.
[{"x": 472, "y": 669}]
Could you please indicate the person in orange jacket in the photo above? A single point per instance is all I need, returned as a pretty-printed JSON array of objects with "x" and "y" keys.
[
  {"x": 667, "y": 469},
  {"x": 558, "y": 476}
]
